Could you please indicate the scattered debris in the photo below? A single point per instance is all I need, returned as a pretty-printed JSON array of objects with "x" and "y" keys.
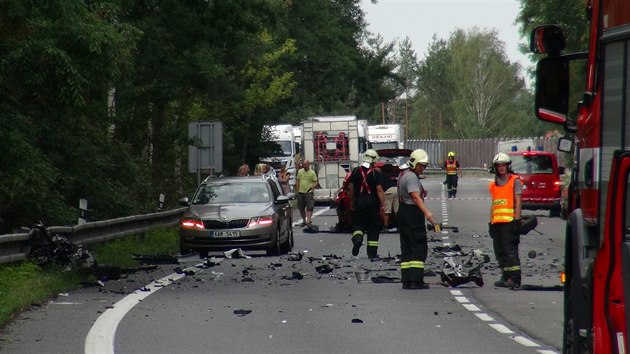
[
  {"x": 242, "y": 312},
  {"x": 456, "y": 273},
  {"x": 106, "y": 272},
  {"x": 296, "y": 257},
  {"x": 235, "y": 253},
  {"x": 294, "y": 276},
  {"x": 324, "y": 269},
  {"x": 531, "y": 254},
  {"x": 449, "y": 251},
  {"x": 357, "y": 320},
  {"x": 311, "y": 229},
  {"x": 528, "y": 223}
]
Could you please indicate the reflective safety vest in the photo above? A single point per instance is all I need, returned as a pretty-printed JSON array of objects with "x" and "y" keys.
[
  {"x": 502, "y": 201},
  {"x": 451, "y": 167}
]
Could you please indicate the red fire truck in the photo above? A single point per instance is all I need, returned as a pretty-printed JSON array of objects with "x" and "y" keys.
[{"x": 597, "y": 126}]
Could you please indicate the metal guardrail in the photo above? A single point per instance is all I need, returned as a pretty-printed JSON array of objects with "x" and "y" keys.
[{"x": 15, "y": 247}]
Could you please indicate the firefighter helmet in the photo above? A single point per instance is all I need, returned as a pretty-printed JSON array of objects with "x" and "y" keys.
[
  {"x": 418, "y": 156},
  {"x": 450, "y": 153},
  {"x": 370, "y": 156},
  {"x": 501, "y": 158}
]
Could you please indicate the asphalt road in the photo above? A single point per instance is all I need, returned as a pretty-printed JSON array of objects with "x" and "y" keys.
[{"x": 272, "y": 304}]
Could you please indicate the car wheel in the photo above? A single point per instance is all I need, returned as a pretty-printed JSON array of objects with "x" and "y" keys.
[
  {"x": 287, "y": 245},
  {"x": 274, "y": 250},
  {"x": 553, "y": 212},
  {"x": 183, "y": 250}
]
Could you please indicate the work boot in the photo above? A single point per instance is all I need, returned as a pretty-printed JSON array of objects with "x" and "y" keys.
[
  {"x": 357, "y": 241},
  {"x": 418, "y": 285},
  {"x": 501, "y": 282}
]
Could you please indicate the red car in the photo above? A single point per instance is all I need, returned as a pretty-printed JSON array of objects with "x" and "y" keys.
[
  {"x": 540, "y": 175},
  {"x": 389, "y": 163}
]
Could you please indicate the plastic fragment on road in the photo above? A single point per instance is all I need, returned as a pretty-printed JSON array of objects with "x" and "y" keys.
[
  {"x": 242, "y": 312},
  {"x": 357, "y": 320},
  {"x": 235, "y": 253},
  {"x": 296, "y": 257},
  {"x": 324, "y": 269}
]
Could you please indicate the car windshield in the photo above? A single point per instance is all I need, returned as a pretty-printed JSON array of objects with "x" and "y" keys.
[
  {"x": 232, "y": 193},
  {"x": 534, "y": 164},
  {"x": 394, "y": 160}
]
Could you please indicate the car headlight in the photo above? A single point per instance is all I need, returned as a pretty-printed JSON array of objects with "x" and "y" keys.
[
  {"x": 191, "y": 223},
  {"x": 260, "y": 221}
]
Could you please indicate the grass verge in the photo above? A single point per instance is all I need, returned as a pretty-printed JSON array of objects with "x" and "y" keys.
[{"x": 25, "y": 283}]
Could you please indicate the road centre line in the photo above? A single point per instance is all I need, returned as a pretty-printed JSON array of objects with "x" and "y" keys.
[{"x": 524, "y": 341}]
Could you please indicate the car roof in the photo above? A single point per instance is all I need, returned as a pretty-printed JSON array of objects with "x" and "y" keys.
[{"x": 243, "y": 179}]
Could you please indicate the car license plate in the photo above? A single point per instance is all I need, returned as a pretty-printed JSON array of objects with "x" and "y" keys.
[{"x": 224, "y": 234}]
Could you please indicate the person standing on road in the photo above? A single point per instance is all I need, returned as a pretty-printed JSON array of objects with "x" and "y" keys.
[
  {"x": 367, "y": 201},
  {"x": 411, "y": 222},
  {"x": 505, "y": 214},
  {"x": 305, "y": 183},
  {"x": 391, "y": 196},
  {"x": 283, "y": 178},
  {"x": 453, "y": 171}
]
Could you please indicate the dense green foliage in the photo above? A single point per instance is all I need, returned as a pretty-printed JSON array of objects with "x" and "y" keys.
[{"x": 96, "y": 95}]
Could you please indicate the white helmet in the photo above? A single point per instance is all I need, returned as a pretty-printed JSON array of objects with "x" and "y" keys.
[
  {"x": 501, "y": 158},
  {"x": 370, "y": 156},
  {"x": 418, "y": 156}
]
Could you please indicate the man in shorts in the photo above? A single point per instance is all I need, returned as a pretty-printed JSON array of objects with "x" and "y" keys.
[{"x": 306, "y": 181}]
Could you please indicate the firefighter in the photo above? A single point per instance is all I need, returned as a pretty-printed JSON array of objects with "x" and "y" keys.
[
  {"x": 453, "y": 170},
  {"x": 367, "y": 201},
  {"x": 505, "y": 214},
  {"x": 411, "y": 216}
]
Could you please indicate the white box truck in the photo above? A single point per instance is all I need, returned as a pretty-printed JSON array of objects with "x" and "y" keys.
[
  {"x": 332, "y": 145},
  {"x": 283, "y": 139},
  {"x": 515, "y": 145},
  {"x": 386, "y": 136}
]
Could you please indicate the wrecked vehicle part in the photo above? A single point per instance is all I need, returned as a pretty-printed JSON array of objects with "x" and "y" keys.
[
  {"x": 456, "y": 272},
  {"x": 154, "y": 259},
  {"x": 295, "y": 257},
  {"x": 49, "y": 249},
  {"x": 235, "y": 253}
]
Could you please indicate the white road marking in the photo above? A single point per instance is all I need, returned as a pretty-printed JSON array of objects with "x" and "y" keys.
[
  {"x": 500, "y": 328},
  {"x": 471, "y": 307},
  {"x": 484, "y": 317},
  {"x": 526, "y": 342},
  {"x": 462, "y": 299},
  {"x": 101, "y": 337}
]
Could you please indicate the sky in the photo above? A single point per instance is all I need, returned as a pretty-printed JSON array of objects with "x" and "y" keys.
[{"x": 421, "y": 19}]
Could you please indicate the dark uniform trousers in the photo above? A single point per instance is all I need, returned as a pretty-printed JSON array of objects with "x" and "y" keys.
[
  {"x": 413, "y": 243},
  {"x": 451, "y": 185},
  {"x": 505, "y": 243},
  {"x": 367, "y": 218}
]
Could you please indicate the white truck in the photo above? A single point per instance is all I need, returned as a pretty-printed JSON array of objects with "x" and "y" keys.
[
  {"x": 332, "y": 145},
  {"x": 284, "y": 149},
  {"x": 386, "y": 136},
  {"x": 515, "y": 145}
]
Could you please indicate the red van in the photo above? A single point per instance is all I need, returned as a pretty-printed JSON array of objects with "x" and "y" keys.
[{"x": 540, "y": 174}]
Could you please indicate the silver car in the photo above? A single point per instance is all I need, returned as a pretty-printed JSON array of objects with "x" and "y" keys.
[{"x": 250, "y": 213}]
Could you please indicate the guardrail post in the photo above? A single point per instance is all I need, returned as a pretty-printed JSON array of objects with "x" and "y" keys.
[
  {"x": 82, "y": 211},
  {"x": 161, "y": 202}
]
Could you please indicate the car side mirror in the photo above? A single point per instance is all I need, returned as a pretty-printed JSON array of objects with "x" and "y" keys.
[{"x": 184, "y": 201}]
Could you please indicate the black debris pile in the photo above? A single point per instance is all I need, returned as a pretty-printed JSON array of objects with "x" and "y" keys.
[
  {"x": 449, "y": 251},
  {"x": 295, "y": 257},
  {"x": 294, "y": 276},
  {"x": 47, "y": 249},
  {"x": 457, "y": 271},
  {"x": 311, "y": 229},
  {"x": 324, "y": 269},
  {"x": 242, "y": 312}
]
